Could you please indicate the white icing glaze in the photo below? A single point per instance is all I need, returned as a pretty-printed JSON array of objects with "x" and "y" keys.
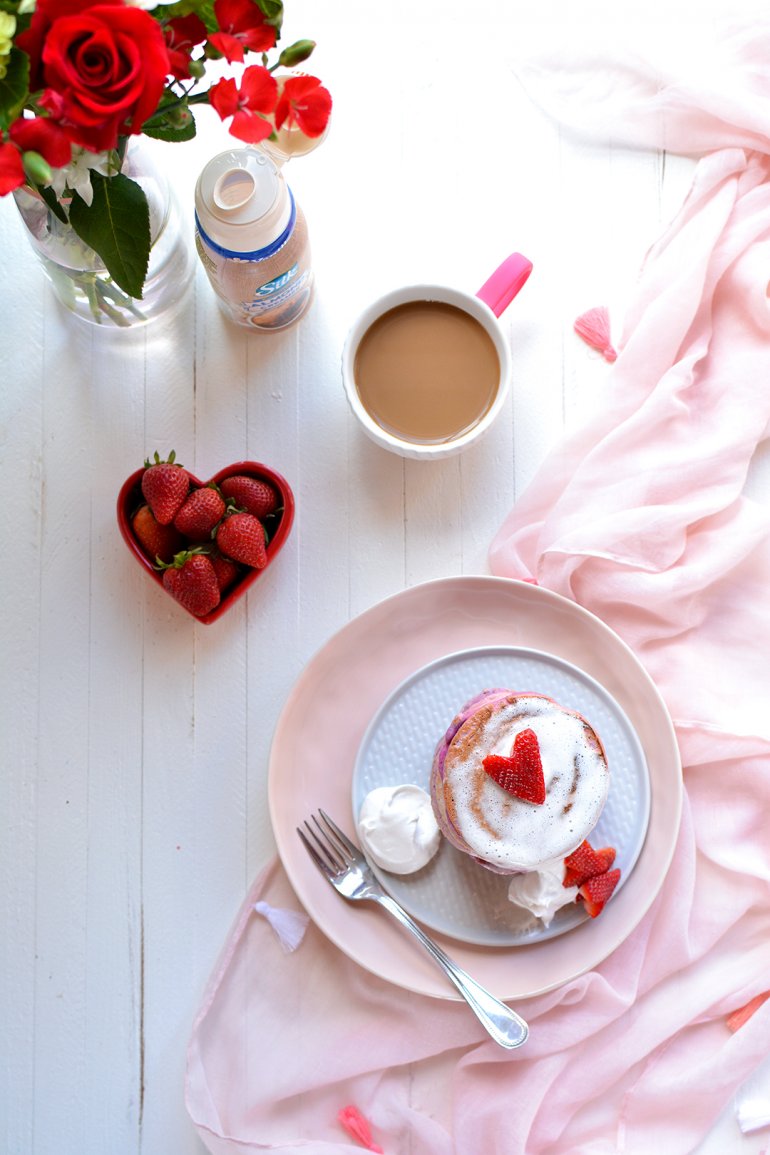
[{"x": 509, "y": 832}]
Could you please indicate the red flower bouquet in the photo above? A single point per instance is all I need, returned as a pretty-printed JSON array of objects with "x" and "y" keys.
[{"x": 78, "y": 78}]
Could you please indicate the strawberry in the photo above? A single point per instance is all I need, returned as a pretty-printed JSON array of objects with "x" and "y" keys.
[
  {"x": 241, "y": 537},
  {"x": 200, "y": 512},
  {"x": 249, "y": 493},
  {"x": 159, "y": 542},
  {"x": 597, "y": 890},
  {"x": 227, "y": 571},
  {"x": 522, "y": 773},
  {"x": 192, "y": 581},
  {"x": 165, "y": 486},
  {"x": 585, "y": 863}
]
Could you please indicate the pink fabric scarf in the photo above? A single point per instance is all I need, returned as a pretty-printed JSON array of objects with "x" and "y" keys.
[{"x": 640, "y": 518}]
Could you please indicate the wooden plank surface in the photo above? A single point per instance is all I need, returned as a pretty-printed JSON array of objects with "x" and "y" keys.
[{"x": 135, "y": 743}]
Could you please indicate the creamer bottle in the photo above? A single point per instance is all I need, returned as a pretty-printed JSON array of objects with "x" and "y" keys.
[{"x": 252, "y": 238}]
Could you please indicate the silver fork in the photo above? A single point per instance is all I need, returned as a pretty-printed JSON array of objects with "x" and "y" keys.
[{"x": 344, "y": 866}]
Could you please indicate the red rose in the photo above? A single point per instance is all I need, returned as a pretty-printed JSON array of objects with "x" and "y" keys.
[
  {"x": 32, "y": 41},
  {"x": 106, "y": 64}
]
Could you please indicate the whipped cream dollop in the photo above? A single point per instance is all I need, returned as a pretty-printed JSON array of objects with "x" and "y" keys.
[
  {"x": 541, "y": 891},
  {"x": 398, "y": 829}
]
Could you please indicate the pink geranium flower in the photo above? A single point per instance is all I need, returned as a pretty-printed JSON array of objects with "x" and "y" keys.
[
  {"x": 182, "y": 34},
  {"x": 31, "y": 134},
  {"x": 242, "y": 25},
  {"x": 248, "y": 105},
  {"x": 304, "y": 104},
  {"x": 11, "y": 168},
  {"x": 43, "y": 135}
]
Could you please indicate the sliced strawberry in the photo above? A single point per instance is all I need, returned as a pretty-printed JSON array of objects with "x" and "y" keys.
[
  {"x": 585, "y": 863},
  {"x": 522, "y": 774},
  {"x": 597, "y": 890}
]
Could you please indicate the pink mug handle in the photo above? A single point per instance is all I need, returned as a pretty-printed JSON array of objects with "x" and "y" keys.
[{"x": 505, "y": 283}]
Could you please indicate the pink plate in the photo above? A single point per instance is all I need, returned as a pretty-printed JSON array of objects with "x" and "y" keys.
[{"x": 328, "y": 711}]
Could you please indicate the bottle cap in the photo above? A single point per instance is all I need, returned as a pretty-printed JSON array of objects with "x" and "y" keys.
[{"x": 242, "y": 202}]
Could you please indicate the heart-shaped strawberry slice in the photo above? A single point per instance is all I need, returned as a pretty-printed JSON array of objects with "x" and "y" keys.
[
  {"x": 597, "y": 891},
  {"x": 585, "y": 863},
  {"x": 522, "y": 774},
  {"x": 146, "y": 540}
]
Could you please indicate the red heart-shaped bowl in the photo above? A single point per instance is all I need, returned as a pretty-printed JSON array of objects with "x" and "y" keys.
[{"x": 279, "y": 526}]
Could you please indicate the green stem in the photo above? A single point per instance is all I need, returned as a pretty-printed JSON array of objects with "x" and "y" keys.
[
  {"x": 116, "y": 317},
  {"x": 89, "y": 288},
  {"x": 106, "y": 299},
  {"x": 107, "y": 289}
]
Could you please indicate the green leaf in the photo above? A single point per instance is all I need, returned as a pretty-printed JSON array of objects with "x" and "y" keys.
[
  {"x": 202, "y": 8},
  {"x": 117, "y": 226},
  {"x": 50, "y": 198},
  {"x": 173, "y": 120},
  {"x": 166, "y": 130},
  {"x": 272, "y": 10},
  {"x": 14, "y": 87}
]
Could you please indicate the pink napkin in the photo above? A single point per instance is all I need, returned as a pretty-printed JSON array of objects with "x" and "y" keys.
[{"x": 639, "y": 518}]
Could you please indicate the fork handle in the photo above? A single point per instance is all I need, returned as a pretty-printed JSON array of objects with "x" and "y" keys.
[{"x": 503, "y": 1024}]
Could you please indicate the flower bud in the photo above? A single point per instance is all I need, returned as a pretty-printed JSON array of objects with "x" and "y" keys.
[
  {"x": 180, "y": 117},
  {"x": 197, "y": 69},
  {"x": 297, "y": 52},
  {"x": 37, "y": 169}
]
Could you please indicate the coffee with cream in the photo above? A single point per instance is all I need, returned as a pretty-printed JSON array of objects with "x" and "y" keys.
[{"x": 427, "y": 371}]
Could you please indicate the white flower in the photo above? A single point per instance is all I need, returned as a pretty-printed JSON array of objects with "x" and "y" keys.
[
  {"x": 7, "y": 30},
  {"x": 77, "y": 174}
]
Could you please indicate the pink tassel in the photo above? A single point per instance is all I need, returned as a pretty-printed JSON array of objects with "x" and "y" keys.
[
  {"x": 355, "y": 1123},
  {"x": 743, "y": 1014},
  {"x": 289, "y": 925},
  {"x": 594, "y": 328}
]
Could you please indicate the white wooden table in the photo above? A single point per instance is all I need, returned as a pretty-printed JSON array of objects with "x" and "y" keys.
[{"x": 135, "y": 742}]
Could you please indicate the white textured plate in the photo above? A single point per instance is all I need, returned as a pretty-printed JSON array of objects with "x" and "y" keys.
[
  {"x": 327, "y": 713},
  {"x": 453, "y": 894}
]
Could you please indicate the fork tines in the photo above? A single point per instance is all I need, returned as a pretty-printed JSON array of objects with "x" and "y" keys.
[{"x": 329, "y": 848}]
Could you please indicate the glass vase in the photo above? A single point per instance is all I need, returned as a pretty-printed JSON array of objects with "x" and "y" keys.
[{"x": 78, "y": 275}]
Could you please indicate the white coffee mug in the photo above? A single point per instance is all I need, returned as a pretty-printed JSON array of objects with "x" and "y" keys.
[{"x": 484, "y": 307}]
